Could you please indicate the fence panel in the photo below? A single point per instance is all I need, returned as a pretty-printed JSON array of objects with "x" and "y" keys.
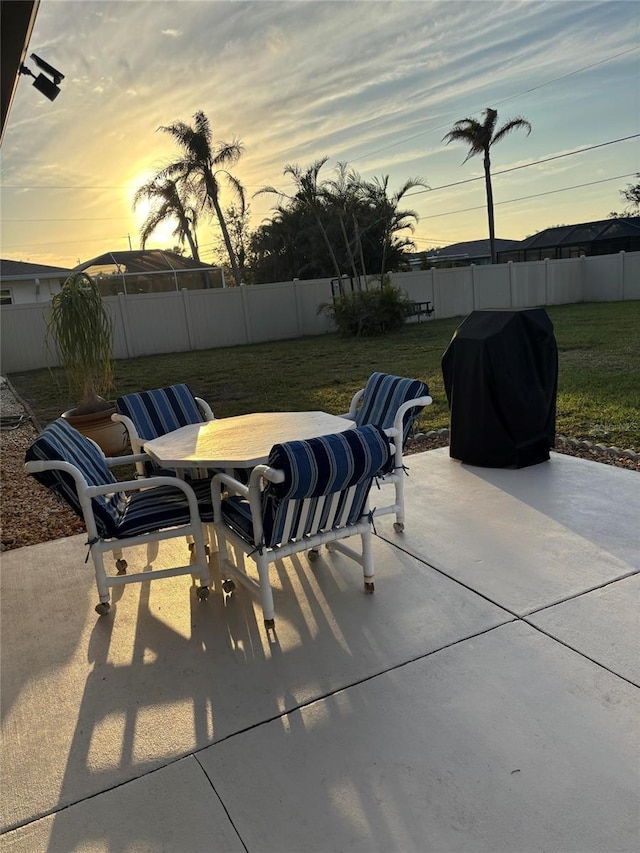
[
  {"x": 528, "y": 284},
  {"x": 602, "y": 280},
  {"x": 217, "y": 317},
  {"x": 151, "y": 323},
  {"x": 453, "y": 292},
  {"x": 23, "y": 337},
  {"x": 631, "y": 275},
  {"x": 564, "y": 281},
  {"x": 491, "y": 287}
]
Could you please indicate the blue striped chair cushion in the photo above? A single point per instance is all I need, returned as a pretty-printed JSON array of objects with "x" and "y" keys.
[
  {"x": 158, "y": 412},
  {"x": 319, "y": 467},
  {"x": 61, "y": 442},
  {"x": 383, "y": 396},
  {"x": 164, "y": 506},
  {"x": 119, "y": 515},
  {"x": 161, "y": 410}
]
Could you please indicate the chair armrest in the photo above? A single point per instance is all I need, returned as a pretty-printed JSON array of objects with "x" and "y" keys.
[
  {"x": 141, "y": 485},
  {"x": 404, "y": 408},
  {"x": 351, "y": 414},
  {"x": 134, "y": 439},
  {"x": 130, "y": 459},
  {"x": 205, "y": 409}
]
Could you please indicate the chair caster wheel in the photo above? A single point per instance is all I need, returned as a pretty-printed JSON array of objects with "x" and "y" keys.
[
  {"x": 398, "y": 526},
  {"x": 313, "y": 555},
  {"x": 369, "y": 587},
  {"x": 192, "y": 547},
  {"x": 228, "y": 586},
  {"x": 121, "y": 566},
  {"x": 203, "y": 593},
  {"x": 103, "y": 608},
  {"x": 270, "y": 624}
]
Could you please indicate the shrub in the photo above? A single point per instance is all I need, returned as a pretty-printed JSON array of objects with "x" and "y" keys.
[{"x": 366, "y": 313}]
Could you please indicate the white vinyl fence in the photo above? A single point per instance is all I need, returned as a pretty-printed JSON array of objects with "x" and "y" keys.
[{"x": 152, "y": 323}]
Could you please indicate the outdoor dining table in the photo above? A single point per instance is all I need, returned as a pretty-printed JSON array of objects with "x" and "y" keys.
[{"x": 242, "y": 441}]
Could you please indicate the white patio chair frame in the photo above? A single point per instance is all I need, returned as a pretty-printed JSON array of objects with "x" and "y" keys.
[
  {"x": 397, "y": 475},
  {"x": 197, "y": 568},
  {"x": 264, "y": 556}
]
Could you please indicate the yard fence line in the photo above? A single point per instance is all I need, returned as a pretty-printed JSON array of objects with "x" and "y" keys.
[{"x": 153, "y": 323}]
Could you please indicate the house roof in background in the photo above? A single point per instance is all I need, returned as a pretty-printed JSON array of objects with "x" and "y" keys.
[
  {"x": 469, "y": 249},
  {"x": 144, "y": 261},
  {"x": 583, "y": 232},
  {"x": 22, "y": 269}
]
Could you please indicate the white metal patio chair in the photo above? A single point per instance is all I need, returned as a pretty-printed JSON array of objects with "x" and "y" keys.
[
  {"x": 121, "y": 514},
  {"x": 392, "y": 403},
  {"x": 310, "y": 493}
]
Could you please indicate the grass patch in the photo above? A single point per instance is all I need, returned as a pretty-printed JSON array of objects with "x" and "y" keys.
[{"x": 598, "y": 386}]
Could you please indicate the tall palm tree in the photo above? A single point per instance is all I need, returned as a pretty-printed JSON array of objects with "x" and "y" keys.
[
  {"x": 168, "y": 202},
  {"x": 480, "y": 137},
  {"x": 200, "y": 165}
]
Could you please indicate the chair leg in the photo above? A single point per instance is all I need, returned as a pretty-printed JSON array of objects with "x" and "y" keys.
[
  {"x": 367, "y": 561},
  {"x": 101, "y": 582},
  {"x": 121, "y": 563},
  {"x": 398, "y": 524},
  {"x": 268, "y": 610}
]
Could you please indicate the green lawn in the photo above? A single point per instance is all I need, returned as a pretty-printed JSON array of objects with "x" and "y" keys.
[{"x": 599, "y": 375}]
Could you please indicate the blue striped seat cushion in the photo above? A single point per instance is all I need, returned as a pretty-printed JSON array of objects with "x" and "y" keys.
[
  {"x": 313, "y": 469},
  {"x": 120, "y": 514},
  {"x": 383, "y": 396},
  {"x": 164, "y": 506}
]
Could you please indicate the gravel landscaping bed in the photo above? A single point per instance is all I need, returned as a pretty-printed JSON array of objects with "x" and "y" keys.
[{"x": 30, "y": 514}]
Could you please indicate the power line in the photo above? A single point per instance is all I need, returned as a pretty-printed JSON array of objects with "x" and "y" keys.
[
  {"x": 497, "y": 103},
  {"x": 408, "y": 195},
  {"x": 56, "y": 242},
  {"x": 527, "y": 165},
  {"x": 77, "y": 219},
  {"x": 525, "y": 197}
]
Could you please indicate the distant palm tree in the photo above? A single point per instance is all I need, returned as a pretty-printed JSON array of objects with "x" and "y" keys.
[
  {"x": 309, "y": 195},
  {"x": 480, "y": 138},
  {"x": 393, "y": 220},
  {"x": 168, "y": 203},
  {"x": 200, "y": 166}
]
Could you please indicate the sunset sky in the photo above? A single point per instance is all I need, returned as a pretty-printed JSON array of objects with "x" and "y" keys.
[{"x": 375, "y": 84}]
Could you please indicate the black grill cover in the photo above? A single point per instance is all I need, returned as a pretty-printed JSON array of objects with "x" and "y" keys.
[{"x": 500, "y": 374}]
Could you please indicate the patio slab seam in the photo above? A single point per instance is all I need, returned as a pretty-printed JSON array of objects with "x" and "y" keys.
[
  {"x": 524, "y": 616},
  {"x": 268, "y": 720}
]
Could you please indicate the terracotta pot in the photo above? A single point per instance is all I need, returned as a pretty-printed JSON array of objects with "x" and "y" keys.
[{"x": 112, "y": 437}]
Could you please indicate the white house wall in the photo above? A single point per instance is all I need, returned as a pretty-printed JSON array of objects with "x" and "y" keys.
[{"x": 151, "y": 323}]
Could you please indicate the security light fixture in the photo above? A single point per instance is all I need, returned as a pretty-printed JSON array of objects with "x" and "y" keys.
[
  {"x": 49, "y": 88},
  {"x": 56, "y": 76}
]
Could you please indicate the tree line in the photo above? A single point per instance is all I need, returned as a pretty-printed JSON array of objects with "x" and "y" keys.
[{"x": 337, "y": 225}]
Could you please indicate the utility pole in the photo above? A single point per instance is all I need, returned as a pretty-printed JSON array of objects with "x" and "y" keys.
[{"x": 128, "y": 236}]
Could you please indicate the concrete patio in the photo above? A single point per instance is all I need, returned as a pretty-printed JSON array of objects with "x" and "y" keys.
[{"x": 486, "y": 698}]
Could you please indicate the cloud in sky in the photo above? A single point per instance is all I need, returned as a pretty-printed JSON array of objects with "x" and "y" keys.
[{"x": 377, "y": 84}]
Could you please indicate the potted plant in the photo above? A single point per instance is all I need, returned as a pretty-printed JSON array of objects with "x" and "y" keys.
[{"x": 82, "y": 329}]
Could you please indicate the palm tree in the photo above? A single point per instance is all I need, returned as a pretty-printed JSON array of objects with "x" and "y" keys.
[
  {"x": 480, "y": 138},
  {"x": 167, "y": 203},
  {"x": 309, "y": 195},
  {"x": 200, "y": 165},
  {"x": 392, "y": 219}
]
